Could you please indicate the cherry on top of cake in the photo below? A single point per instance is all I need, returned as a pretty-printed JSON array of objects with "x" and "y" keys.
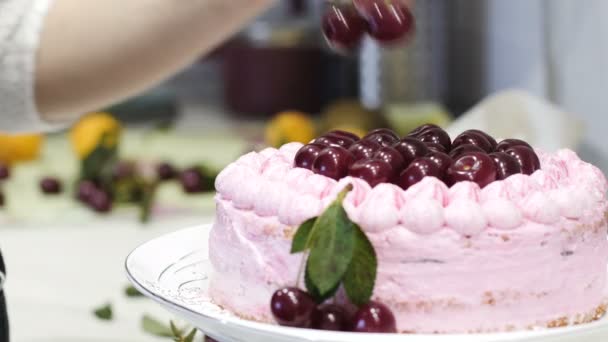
[{"x": 384, "y": 157}]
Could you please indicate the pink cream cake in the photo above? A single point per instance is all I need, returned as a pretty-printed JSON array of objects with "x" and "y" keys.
[{"x": 525, "y": 252}]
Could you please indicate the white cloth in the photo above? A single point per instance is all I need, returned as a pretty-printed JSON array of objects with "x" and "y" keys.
[{"x": 20, "y": 26}]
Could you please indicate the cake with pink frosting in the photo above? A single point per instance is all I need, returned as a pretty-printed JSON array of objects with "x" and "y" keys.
[{"x": 470, "y": 235}]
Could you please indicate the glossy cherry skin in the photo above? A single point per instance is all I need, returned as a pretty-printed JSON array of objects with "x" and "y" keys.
[
  {"x": 307, "y": 154},
  {"x": 490, "y": 138},
  {"x": 418, "y": 169},
  {"x": 392, "y": 156},
  {"x": 384, "y": 139},
  {"x": 506, "y": 165},
  {"x": 50, "y": 186},
  {"x": 466, "y": 148},
  {"x": 344, "y": 134},
  {"x": 389, "y": 21},
  {"x": 410, "y": 149},
  {"x": 333, "y": 162},
  {"x": 476, "y": 167},
  {"x": 100, "y": 201},
  {"x": 334, "y": 140},
  {"x": 364, "y": 149},
  {"x": 374, "y": 317},
  {"x": 85, "y": 190},
  {"x": 343, "y": 27},
  {"x": 526, "y": 158},
  {"x": 442, "y": 160},
  {"x": 473, "y": 138},
  {"x": 436, "y": 136},
  {"x": 506, "y": 144},
  {"x": 330, "y": 317},
  {"x": 436, "y": 147},
  {"x": 387, "y": 131},
  {"x": 5, "y": 171},
  {"x": 292, "y": 307},
  {"x": 165, "y": 171},
  {"x": 373, "y": 171},
  {"x": 421, "y": 129}
]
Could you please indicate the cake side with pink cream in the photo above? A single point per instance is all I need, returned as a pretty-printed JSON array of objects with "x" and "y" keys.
[{"x": 524, "y": 252}]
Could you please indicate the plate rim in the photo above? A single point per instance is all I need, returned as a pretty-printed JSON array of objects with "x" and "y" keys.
[{"x": 262, "y": 328}]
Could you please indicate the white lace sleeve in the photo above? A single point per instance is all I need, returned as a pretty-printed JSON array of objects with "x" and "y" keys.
[{"x": 20, "y": 26}]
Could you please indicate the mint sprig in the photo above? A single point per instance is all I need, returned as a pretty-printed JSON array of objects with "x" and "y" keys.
[{"x": 339, "y": 253}]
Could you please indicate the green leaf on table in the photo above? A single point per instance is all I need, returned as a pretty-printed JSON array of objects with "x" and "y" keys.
[
  {"x": 360, "y": 277},
  {"x": 175, "y": 330},
  {"x": 132, "y": 292},
  {"x": 155, "y": 327},
  {"x": 300, "y": 240},
  {"x": 190, "y": 336},
  {"x": 104, "y": 312},
  {"x": 100, "y": 162},
  {"x": 331, "y": 242}
]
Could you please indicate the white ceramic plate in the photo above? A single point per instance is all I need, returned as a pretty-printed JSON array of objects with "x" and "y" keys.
[{"x": 173, "y": 270}]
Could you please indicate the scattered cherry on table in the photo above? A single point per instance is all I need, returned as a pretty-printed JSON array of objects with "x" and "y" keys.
[
  {"x": 51, "y": 186},
  {"x": 5, "y": 171}
]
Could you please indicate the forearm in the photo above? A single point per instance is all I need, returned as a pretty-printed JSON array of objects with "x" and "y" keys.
[{"x": 93, "y": 53}]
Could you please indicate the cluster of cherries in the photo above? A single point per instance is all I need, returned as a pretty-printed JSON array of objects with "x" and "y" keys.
[
  {"x": 383, "y": 157},
  {"x": 100, "y": 199},
  {"x": 293, "y": 307},
  {"x": 346, "y": 22}
]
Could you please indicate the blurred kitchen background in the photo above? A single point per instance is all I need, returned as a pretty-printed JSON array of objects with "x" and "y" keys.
[{"x": 534, "y": 69}]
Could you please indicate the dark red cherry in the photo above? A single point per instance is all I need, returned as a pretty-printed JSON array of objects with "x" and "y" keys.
[
  {"x": 421, "y": 129},
  {"x": 330, "y": 317},
  {"x": 410, "y": 149},
  {"x": 436, "y": 147},
  {"x": 466, "y": 148},
  {"x": 384, "y": 139},
  {"x": 292, "y": 307},
  {"x": 476, "y": 167},
  {"x": 334, "y": 140},
  {"x": 373, "y": 171},
  {"x": 506, "y": 165},
  {"x": 436, "y": 136},
  {"x": 392, "y": 156},
  {"x": 5, "y": 171},
  {"x": 192, "y": 181},
  {"x": 389, "y": 21},
  {"x": 307, "y": 154},
  {"x": 526, "y": 158},
  {"x": 166, "y": 171},
  {"x": 100, "y": 201},
  {"x": 473, "y": 138},
  {"x": 333, "y": 162},
  {"x": 442, "y": 160},
  {"x": 50, "y": 186},
  {"x": 490, "y": 138},
  {"x": 344, "y": 134},
  {"x": 506, "y": 144},
  {"x": 85, "y": 190},
  {"x": 374, "y": 317},
  {"x": 387, "y": 131},
  {"x": 343, "y": 27},
  {"x": 418, "y": 169},
  {"x": 364, "y": 149}
]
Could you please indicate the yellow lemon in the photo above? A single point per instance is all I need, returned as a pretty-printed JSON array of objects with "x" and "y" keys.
[
  {"x": 87, "y": 133},
  {"x": 19, "y": 148},
  {"x": 290, "y": 127}
]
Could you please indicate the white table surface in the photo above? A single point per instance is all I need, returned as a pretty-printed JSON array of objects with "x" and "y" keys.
[{"x": 58, "y": 274}]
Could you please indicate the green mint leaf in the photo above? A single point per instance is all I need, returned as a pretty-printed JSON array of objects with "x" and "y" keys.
[
  {"x": 132, "y": 292},
  {"x": 300, "y": 240},
  {"x": 104, "y": 312},
  {"x": 360, "y": 277},
  {"x": 155, "y": 327},
  {"x": 314, "y": 291},
  {"x": 332, "y": 243},
  {"x": 190, "y": 336}
]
